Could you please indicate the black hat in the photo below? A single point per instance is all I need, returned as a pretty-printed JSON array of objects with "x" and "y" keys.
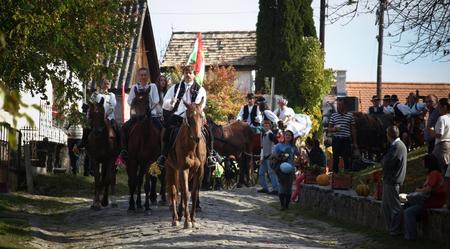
[
  {"x": 387, "y": 97},
  {"x": 394, "y": 97},
  {"x": 375, "y": 97},
  {"x": 250, "y": 96},
  {"x": 261, "y": 99}
]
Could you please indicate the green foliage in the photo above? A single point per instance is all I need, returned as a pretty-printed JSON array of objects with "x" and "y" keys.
[
  {"x": 280, "y": 27},
  {"x": 314, "y": 169},
  {"x": 223, "y": 97},
  {"x": 267, "y": 33},
  {"x": 58, "y": 41}
]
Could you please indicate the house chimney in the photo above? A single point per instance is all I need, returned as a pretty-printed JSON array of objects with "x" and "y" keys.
[{"x": 341, "y": 89}]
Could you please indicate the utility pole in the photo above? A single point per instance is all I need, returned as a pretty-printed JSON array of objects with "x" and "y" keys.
[
  {"x": 322, "y": 24},
  {"x": 380, "y": 45}
]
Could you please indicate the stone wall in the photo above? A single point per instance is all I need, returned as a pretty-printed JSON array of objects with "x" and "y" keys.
[{"x": 346, "y": 206}]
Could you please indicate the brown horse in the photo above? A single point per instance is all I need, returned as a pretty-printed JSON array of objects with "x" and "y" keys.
[
  {"x": 185, "y": 164},
  {"x": 237, "y": 140},
  {"x": 103, "y": 149},
  {"x": 144, "y": 148}
]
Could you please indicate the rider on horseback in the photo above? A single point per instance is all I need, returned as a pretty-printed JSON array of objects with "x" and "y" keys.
[
  {"x": 109, "y": 103},
  {"x": 141, "y": 86},
  {"x": 188, "y": 90}
]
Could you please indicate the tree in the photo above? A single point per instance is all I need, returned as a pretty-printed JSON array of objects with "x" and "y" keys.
[
  {"x": 58, "y": 42},
  {"x": 223, "y": 97},
  {"x": 416, "y": 28},
  {"x": 266, "y": 40},
  {"x": 280, "y": 28}
]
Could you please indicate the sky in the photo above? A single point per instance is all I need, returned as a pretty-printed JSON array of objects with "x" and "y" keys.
[{"x": 352, "y": 47}]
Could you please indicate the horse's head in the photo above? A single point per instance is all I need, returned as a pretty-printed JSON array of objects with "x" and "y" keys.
[
  {"x": 96, "y": 116},
  {"x": 140, "y": 102},
  {"x": 194, "y": 120}
]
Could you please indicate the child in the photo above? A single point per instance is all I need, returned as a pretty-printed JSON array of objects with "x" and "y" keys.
[
  {"x": 285, "y": 152},
  {"x": 302, "y": 161},
  {"x": 267, "y": 141}
]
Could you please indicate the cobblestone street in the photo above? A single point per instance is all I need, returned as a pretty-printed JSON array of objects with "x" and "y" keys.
[{"x": 234, "y": 219}]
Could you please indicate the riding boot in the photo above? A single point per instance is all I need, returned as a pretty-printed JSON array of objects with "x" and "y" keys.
[
  {"x": 166, "y": 145},
  {"x": 125, "y": 135}
]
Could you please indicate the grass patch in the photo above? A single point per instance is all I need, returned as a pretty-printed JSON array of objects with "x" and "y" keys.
[
  {"x": 415, "y": 172},
  {"x": 14, "y": 232},
  {"x": 75, "y": 186},
  {"x": 378, "y": 239}
]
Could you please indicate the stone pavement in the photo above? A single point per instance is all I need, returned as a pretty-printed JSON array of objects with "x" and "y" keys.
[{"x": 230, "y": 219}]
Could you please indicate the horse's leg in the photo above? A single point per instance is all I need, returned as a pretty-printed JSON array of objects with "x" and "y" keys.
[
  {"x": 185, "y": 196},
  {"x": 97, "y": 183},
  {"x": 250, "y": 171},
  {"x": 147, "y": 191},
  {"x": 195, "y": 195},
  {"x": 153, "y": 196},
  {"x": 113, "y": 188},
  {"x": 162, "y": 191},
  {"x": 171, "y": 177},
  {"x": 107, "y": 176},
  {"x": 131, "y": 170},
  {"x": 140, "y": 180}
]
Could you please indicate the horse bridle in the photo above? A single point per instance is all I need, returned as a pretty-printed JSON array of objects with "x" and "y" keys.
[{"x": 186, "y": 122}]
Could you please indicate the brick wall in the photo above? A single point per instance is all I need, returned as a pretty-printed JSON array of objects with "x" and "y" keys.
[{"x": 365, "y": 90}]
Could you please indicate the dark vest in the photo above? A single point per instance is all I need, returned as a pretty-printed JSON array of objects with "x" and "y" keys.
[
  {"x": 398, "y": 115},
  {"x": 375, "y": 110},
  {"x": 252, "y": 114},
  {"x": 193, "y": 91}
]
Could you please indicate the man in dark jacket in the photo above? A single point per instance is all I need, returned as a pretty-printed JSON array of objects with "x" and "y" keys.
[{"x": 394, "y": 171}]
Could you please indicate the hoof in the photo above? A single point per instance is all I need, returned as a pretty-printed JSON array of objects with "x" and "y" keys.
[
  {"x": 193, "y": 224},
  {"x": 174, "y": 223},
  {"x": 131, "y": 208},
  {"x": 139, "y": 206},
  {"x": 187, "y": 225},
  {"x": 96, "y": 207},
  {"x": 162, "y": 203},
  {"x": 154, "y": 203},
  {"x": 198, "y": 209},
  {"x": 114, "y": 205},
  {"x": 105, "y": 203},
  {"x": 148, "y": 209}
]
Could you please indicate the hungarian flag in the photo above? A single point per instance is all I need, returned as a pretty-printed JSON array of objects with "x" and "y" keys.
[{"x": 198, "y": 59}]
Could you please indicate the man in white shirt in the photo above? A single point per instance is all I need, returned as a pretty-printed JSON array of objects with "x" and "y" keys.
[
  {"x": 387, "y": 108},
  {"x": 186, "y": 91},
  {"x": 142, "y": 86},
  {"x": 109, "y": 104},
  {"x": 284, "y": 113},
  {"x": 266, "y": 114},
  {"x": 250, "y": 112}
]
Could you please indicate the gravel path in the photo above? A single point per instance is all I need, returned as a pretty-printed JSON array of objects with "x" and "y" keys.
[{"x": 230, "y": 219}]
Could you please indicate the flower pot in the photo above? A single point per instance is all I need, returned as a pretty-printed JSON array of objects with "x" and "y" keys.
[
  {"x": 310, "y": 178},
  {"x": 341, "y": 181}
]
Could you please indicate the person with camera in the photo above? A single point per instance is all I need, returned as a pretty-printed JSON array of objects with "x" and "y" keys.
[{"x": 283, "y": 165}]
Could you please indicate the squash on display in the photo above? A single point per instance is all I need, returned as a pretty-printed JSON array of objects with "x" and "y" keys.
[{"x": 323, "y": 180}]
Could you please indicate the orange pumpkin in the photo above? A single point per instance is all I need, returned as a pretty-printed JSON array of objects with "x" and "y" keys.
[
  {"x": 323, "y": 180},
  {"x": 362, "y": 190}
]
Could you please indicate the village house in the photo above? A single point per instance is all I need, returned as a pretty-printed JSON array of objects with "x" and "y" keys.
[{"x": 223, "y": 48}]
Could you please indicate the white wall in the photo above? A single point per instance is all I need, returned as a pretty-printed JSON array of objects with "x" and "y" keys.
[
  {"x": 244, "y": 82},
  {"x": 30, "y": 111}
]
